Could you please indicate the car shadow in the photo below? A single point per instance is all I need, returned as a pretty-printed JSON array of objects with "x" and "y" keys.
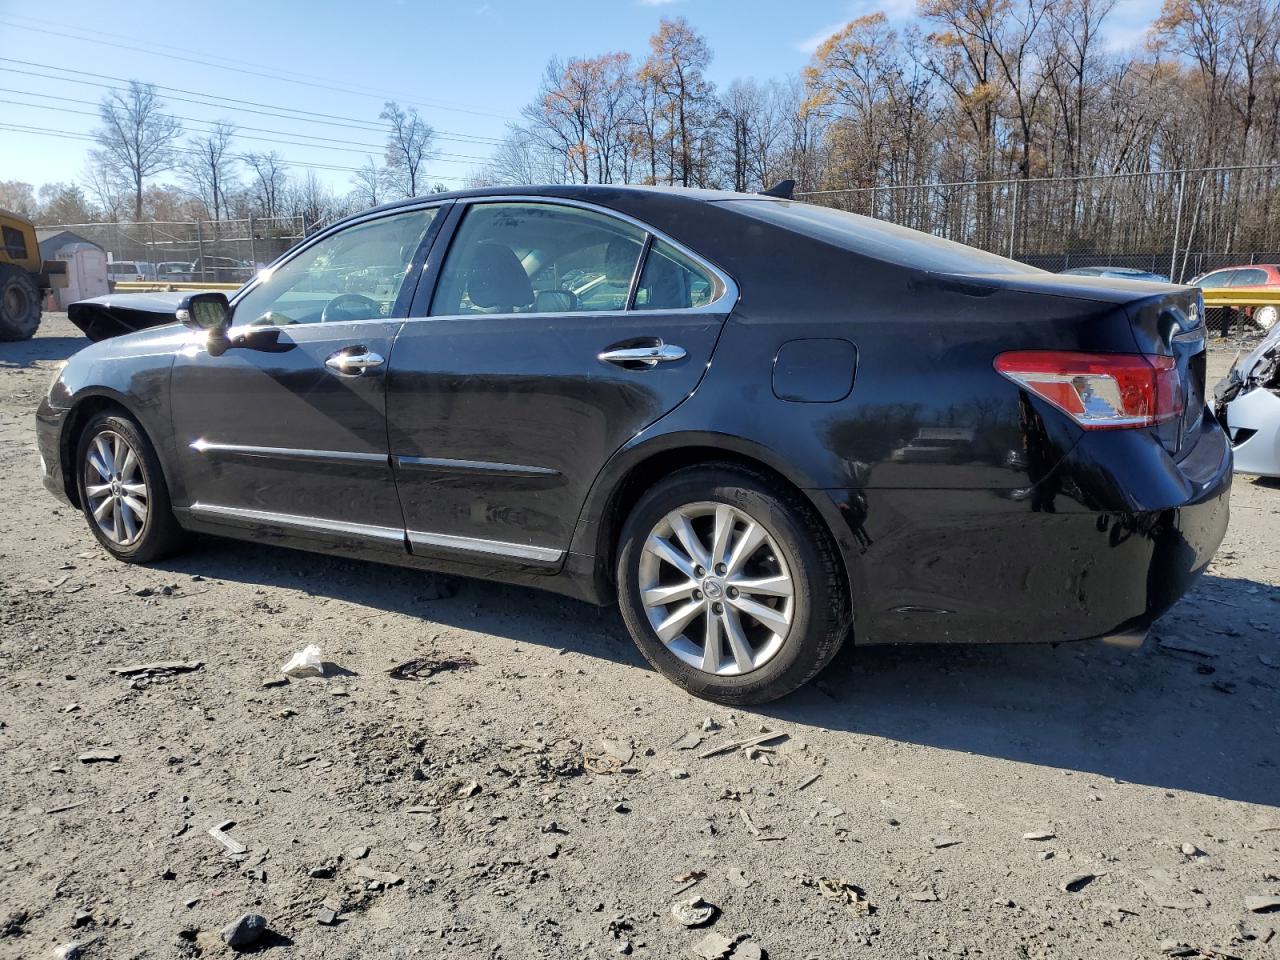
[
  {"x": 26, "y": 353},
  {"x": 1201, "y": 720}
]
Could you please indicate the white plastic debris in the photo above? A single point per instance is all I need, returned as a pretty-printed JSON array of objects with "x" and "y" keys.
[{"x": 304, "y": 663}]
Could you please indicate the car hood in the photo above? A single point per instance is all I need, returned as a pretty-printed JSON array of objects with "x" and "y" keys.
[{"x": 119, "y": 313}]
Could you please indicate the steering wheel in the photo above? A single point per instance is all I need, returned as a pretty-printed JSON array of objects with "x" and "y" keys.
[{"x": 350, "y": 306}]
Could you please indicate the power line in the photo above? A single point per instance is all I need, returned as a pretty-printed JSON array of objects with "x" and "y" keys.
[
  {"x": 353, "y": 148},
  {"x": 73, "y": 135},
  {"x": 63, "y": 34},
  {"x": 303, "y": 116}
]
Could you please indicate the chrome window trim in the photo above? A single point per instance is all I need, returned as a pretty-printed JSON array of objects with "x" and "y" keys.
[
  {"x": 294, "y": 521},
  {"x": 284, "y": 453},
  {"x": 486, "y": 466},
  {"x": 520, "y": 551},
  {"x": 722, "y": 303}
]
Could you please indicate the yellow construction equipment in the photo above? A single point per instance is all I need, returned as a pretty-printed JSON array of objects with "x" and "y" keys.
[{"x": 24, "y": 278}]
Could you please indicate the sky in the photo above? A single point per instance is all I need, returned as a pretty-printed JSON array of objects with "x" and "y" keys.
[{"x": 467, "y": 65}]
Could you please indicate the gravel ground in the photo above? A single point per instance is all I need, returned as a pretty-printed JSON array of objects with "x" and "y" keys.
[{"x": 545, "y": 794}]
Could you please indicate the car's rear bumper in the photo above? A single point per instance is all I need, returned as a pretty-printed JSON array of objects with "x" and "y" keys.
[
  {"x": 1253, "y": 419},
  {"x": 49, "y": 424},
  {"x": 1043, "y": 564}
]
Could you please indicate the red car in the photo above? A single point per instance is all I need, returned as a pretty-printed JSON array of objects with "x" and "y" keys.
[{"x": 1249, "y": 276}]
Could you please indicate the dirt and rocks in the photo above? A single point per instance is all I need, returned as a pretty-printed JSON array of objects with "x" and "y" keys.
[{"x": 529, "y": 788}]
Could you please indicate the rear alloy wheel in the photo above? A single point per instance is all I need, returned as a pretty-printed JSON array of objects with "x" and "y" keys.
[
  {"x": 729, "y": 587},
  {"x": 122, "y": 490}
]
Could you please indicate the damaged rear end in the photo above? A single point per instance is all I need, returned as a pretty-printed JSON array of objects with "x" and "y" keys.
[{"x": 1247, "y": 404}]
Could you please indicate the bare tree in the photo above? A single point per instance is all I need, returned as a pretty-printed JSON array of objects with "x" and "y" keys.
[
  {"x": 409, "y": 144},
  {"x": 209, "y": 168},
  {"x": 270, "y": 180},
  {"x": 369, "y": 183},
  {"x": 137, "y": 138}
]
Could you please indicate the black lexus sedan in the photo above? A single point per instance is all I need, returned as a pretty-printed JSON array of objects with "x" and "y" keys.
[{"x": 760, "y": 426}]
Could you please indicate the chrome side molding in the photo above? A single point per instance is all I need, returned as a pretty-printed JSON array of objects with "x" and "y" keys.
[
  {"x": 284, "y": 453},
  {"x": 483, "y": 466},
  {"x": 519, "y": 551}
]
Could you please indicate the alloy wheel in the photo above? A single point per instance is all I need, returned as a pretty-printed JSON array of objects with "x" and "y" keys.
[
  {"x": 116, "y": 488},
  {"x": 716, "y": 588}
]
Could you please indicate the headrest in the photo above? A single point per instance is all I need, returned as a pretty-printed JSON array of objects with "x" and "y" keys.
[
  {"x": 496, "y": 278},
  {"x": 620, "y": 259}
]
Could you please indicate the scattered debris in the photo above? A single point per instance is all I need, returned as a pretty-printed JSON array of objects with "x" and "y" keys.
[
  {"x": 841, "y": 891},
  {"x": 941, "y": 843},
  {"x": 733, "y": 745},
  {"x": 377, "y": 879},
  {"x": 689, "y": 741},
  {"x": 713, "y": 947},
  {"x": 1262, "y": 904},
  {"x": 234, "y": 846},
  {"x": 1077, "y": 882},
  {"x": 678, "y": 773},
  {"x": 68, "y": 951},
  {"x": 1039, "y": 835},
  {"x": 1191, "y": 850},
  {"x": 69, "y": 806},
  {"x": 244, "y": 932},
  {"x": 693, "y": 913},
  {"x": 809, "y": 781},
  {"x": 326, "y": 917},
  {"x": 420, "y": 668},
  {"x": 99, "y": 756},
  {"x": 275, "y": 682},
  {"x": 357, "y": 853},
  {"x": 747, "y": 950},
  {"x": 926, "y": 894},
  {"x": 161, "y": 669},
  {"x": 305, "y": 663}
]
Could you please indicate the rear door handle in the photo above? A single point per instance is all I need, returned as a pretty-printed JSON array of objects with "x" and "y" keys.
[
  {"x": 353, "y": 361},
  {"x": 649, "y": 354}
]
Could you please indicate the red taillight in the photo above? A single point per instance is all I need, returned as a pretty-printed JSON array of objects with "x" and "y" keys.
[{"x": 1100, "y": 391}]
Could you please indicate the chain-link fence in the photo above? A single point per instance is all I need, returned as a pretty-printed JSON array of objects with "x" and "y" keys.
[
  {"x": 223, "y": 251},
  {"x": 1177, "y": 224}
]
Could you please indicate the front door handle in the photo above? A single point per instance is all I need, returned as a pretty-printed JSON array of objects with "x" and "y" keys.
[
  {"x": 648, "y": 355},
  {"x": 353, "y": 361}
]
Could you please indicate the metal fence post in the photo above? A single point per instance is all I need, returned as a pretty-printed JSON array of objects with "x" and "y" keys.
[
  {"x": 200, "y": 252},
  {"x": 253, "y": 249},
  {"x": 153, "y": 244},
  {"x": 1013, "y": 218},
  {"x": 1177, "y": 228}
]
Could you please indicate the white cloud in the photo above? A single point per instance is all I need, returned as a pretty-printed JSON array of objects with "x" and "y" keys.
[
  {"x": 895, "y": 10},
  {"x": 810, "y": 44},
  {"x": 657, "y": 3}
]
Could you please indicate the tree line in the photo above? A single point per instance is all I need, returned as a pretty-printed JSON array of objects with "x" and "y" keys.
[{"x": 137, "y": 141}]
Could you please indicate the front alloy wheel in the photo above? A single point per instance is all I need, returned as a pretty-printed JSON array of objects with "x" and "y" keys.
[
  {"x": 730, "y": 584},
  {"x": 122, "y": 490},
  {"x": 115, "y": 488}
]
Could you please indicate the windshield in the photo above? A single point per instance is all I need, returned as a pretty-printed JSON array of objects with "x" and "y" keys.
[{"x": 878, "y": 238}]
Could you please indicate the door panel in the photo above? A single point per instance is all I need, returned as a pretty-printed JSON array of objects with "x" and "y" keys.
[
  {"x": 499, "y": 425},
  {"x": 282, "y": 422},
  {"x": 268, "y": 427}
]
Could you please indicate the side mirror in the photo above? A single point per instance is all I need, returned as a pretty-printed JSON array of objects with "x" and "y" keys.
[{"x": 205, "y": 311}]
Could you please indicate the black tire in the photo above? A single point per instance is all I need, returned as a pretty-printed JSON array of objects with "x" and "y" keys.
[
  {"x": 159, "y": 534},
  {"x": 19, "y": 303},
  {"x": 820, "y": 612}
]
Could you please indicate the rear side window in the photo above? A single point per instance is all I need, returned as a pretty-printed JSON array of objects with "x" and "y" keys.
[
  {"x": 672, "y": 281},
  {"x": 878, "y": 238},
  {"x": 537, "y": 258},
  {"x": 1249, "y": 278}
]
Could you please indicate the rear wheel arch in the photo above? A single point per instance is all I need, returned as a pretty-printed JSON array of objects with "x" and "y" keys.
[{"x": 617, "y": 498}]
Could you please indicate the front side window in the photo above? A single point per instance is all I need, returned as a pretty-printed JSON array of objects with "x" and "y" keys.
[
  {"x": 537, "y": 258},
  {"x": 1220, "y": 279},
  {"x": 355, "y": 274},
  {"x": 1249, "y": 278}
]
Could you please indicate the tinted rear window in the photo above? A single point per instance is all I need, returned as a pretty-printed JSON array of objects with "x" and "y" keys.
[{"x": 878, "y": 238}]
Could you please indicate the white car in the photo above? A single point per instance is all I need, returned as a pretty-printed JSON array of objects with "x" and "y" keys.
[{"x": 1248, "y": 404}]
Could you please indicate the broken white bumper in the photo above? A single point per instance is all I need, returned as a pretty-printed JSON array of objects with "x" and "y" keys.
[{"x": 1253, "y": 424}]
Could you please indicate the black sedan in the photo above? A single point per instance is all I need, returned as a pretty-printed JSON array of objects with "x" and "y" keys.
[{"x": 760, "y": 426}]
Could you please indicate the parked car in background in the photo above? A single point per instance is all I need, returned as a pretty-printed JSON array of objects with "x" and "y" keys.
[
  {"x": 132, "y": 271},
  {"x": 1252, "y": 276},
  {"x": 177, "y": 271},
  {"x": 1124, "y": 273},
  {"x": 732, "y": 444},
  {"x": 220, "y": 270},
  {"x": 1248, "y": 406}
]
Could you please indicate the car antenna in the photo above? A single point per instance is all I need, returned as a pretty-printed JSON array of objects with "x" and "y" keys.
[{"x": 783, "y": 190}]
